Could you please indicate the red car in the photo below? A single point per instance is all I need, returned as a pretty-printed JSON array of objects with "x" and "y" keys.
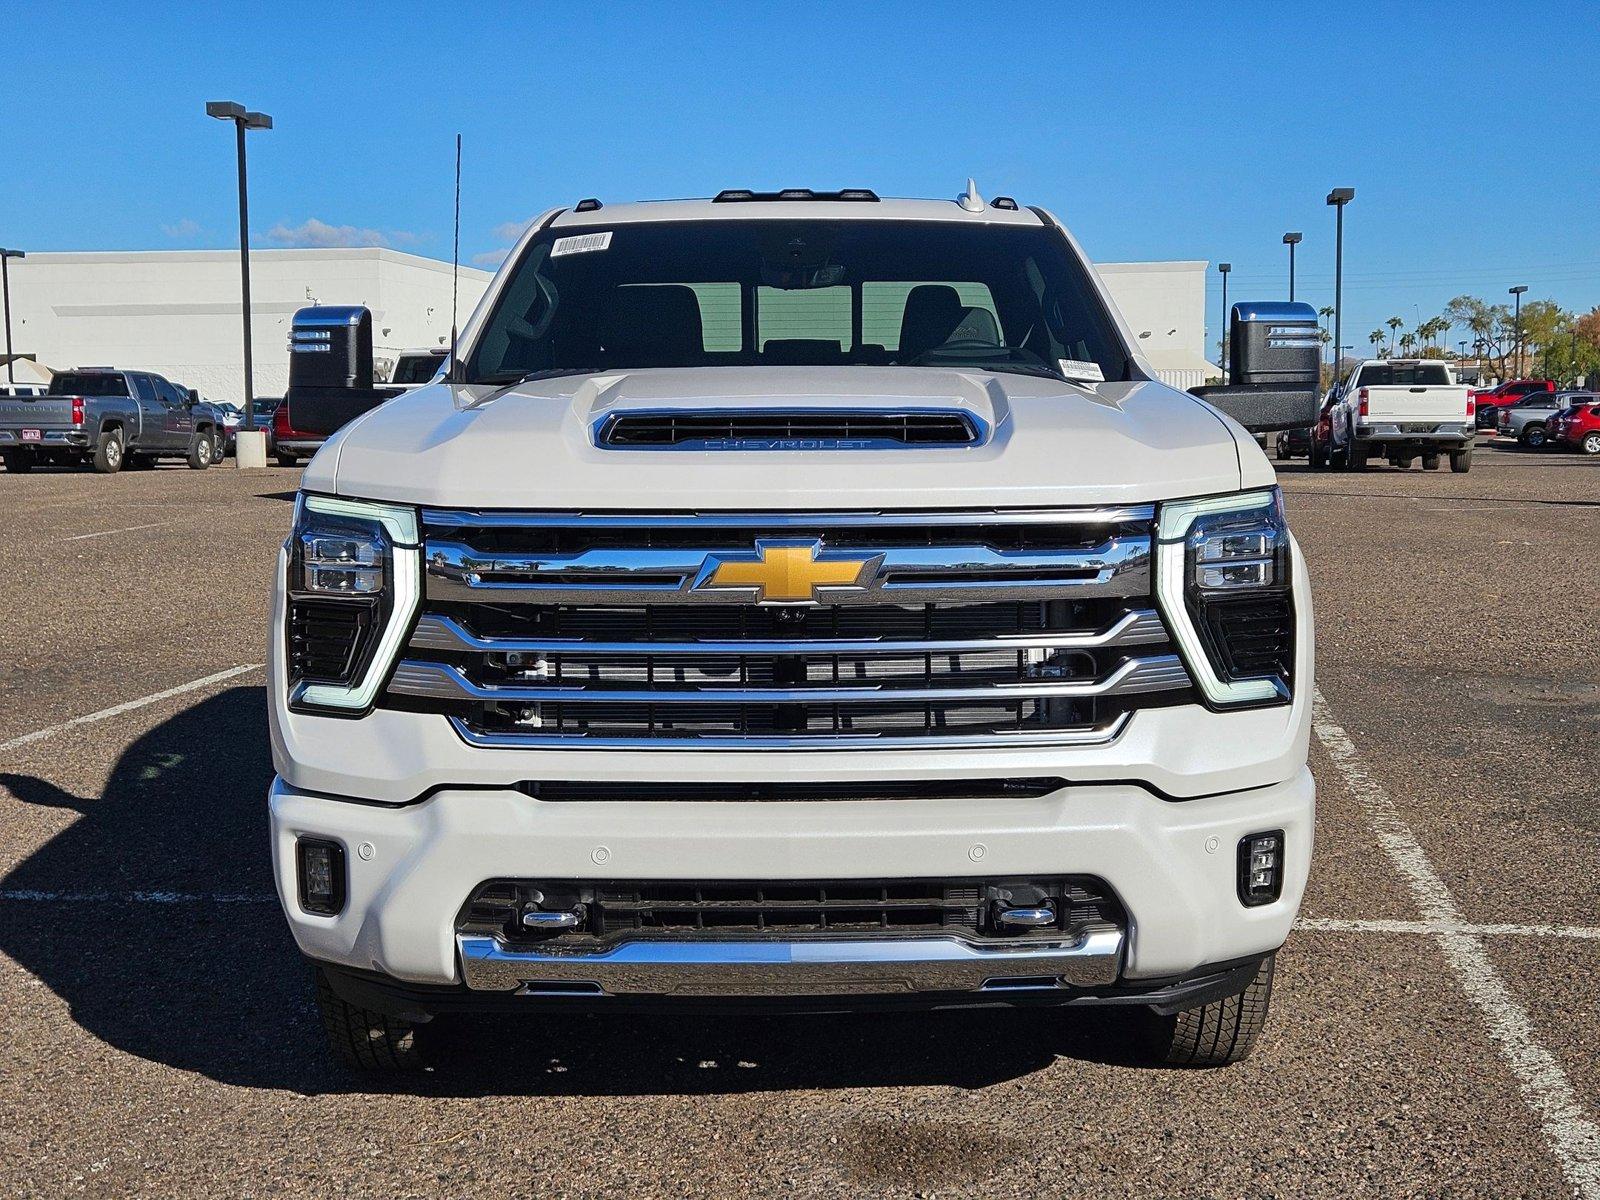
[
  {"x": 290, "y": 445},
  {"x": 1492, "y": 400},
  {"x": 1580, "y": 428}
]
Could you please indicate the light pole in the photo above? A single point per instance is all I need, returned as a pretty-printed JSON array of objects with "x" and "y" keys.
[
  {"x": 1291, "y": 240},
  {"x": 227, "y": 110},
  {"x": 5, "y": 286},
  {"x": 1461, "y": 357},
  {"x": 1339, "y": 197},
  {"x": 1224, "y": 268},
  {"x": 1516, "y": 323}
]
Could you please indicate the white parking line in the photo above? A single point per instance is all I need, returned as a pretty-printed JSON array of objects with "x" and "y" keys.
[
  {"x": 1337, "y": 925},
  {"x": 79, "y": 537},
  {"x": 116, "y": 710},
  {"x": 1572, "y": 1136}
]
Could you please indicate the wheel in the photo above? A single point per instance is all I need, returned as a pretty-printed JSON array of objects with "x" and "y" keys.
[
  {"x": 200, "y": 452},
  {"x": 1532, "y": 436},
  {"x": 1461, "y": 461},
  {"x": 365, "y": 1040},
  {"x": 1360, "y": 454},
  {"x": 286, "y": 460},
  {"x": 1430, "y": 462},
  {"x": 18, "y": 462},
  {"x": 108, "y": 452},
  {"x": 1217, "y": 1034},
  {"x": 1403, "y": 462},
  {"x": 219, "y": 450},
  {"x": 1338, "y": 457},
  {"x": 1591, "y": 443},
  {"x": 1281, "y": 447}
]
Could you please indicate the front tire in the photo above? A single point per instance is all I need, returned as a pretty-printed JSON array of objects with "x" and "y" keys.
[
  {"x": 1460, "y": 461},
  {"x": 108, "y": 452},
  {"x": 364, "y": 1040},
  {"x": 1591, "y": 443},
  {"x": 200, "y": 452},
  {"x": 219, "y": 451},
  {"x": 1533, "y": 437},
  {"x": 1217, "y": 1034}
]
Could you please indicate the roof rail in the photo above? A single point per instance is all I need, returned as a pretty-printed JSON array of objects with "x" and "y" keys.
[
  {"x": 588, "y": 204},
  {"x": 745, "y": 195}
]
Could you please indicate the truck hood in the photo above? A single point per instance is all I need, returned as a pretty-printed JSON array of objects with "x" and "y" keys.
[{"x": 1046, "y": 443}]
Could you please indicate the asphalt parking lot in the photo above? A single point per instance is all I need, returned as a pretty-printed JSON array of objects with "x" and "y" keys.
[{"x": 1435, "y": 1025}]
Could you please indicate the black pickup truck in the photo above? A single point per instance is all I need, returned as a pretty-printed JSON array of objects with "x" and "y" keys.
[{"x": 109, "y": 419}]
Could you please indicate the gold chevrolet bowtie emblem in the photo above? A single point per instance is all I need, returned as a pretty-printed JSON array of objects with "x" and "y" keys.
[{"x": 785, "y": 572}]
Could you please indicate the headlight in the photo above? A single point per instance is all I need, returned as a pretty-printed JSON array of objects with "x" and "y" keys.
[
  {"x": 1223, "y": 579},
  {"x": 353, "y": 592}
]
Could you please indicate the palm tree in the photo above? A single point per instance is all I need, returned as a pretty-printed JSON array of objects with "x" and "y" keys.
[
  {"x": 1395, "y": 324},
  {"x": 1407, "y": 340},
  {"x": 1376, "y": 338}
]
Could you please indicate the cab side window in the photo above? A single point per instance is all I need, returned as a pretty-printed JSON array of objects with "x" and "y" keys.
[{"x": 145, "y": 387}]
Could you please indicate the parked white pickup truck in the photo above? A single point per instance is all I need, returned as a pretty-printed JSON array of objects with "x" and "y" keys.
[
  {"x": 801, "y": 600},
  {"x": 1399, "y": 409}
]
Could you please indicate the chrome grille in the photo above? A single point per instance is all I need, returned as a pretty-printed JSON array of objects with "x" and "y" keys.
[
  {"x": 787, "y": 429},
  {"x": 960, "y": 628}
]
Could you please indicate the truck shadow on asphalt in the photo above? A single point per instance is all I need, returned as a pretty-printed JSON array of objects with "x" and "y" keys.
[{"x": 153, "y": 916}]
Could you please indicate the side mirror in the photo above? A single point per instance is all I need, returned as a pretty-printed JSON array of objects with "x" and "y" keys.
[
  {"x": 1275, "y": 367},
  {"x": 330, "y": 367},
  {"x": 192, "y": 397}
]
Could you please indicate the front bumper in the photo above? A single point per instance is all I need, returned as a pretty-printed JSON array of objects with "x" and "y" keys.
[{"x": 1171, "y": 863}]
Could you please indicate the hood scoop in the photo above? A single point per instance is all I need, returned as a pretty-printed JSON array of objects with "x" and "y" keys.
[{"x": 799, "y": 429}]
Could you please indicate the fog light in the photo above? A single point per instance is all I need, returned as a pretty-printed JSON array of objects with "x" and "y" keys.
[
  {"x": 321, "y": 871},
  {"x": 1261, "y": 868}
]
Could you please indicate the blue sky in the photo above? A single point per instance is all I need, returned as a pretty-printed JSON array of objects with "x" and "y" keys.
[{"x": 1167, "y": 132}]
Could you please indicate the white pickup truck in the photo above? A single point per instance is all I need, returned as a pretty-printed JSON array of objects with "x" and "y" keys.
[
  {"x": 1399, "y": 409},
  {"x": 797, "y": 600}
]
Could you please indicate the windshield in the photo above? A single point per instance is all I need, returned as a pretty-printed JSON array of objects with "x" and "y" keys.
[
  {"x": 798, "y": 293},
  {"x": 1404, "y": 375},
  {"x": 89, "y": 383},
  {"x": 417, "y": 368}
]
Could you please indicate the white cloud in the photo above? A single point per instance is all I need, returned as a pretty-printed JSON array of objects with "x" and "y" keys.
[
  {"x": 186, "y": 228},
  {"x": 510, "y": 231},
  {"x": 320, "y": 234},
  {"x": 490, "y": 258}
]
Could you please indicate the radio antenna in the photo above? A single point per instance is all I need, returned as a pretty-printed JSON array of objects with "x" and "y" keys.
[{"x": 455, "y": 267}]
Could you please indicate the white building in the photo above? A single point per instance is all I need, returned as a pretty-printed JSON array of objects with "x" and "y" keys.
[
  {"x": 177, "y": 312},
  {"x": 1164, "y": 304}
]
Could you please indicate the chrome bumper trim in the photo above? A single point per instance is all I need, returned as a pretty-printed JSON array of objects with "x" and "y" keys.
[
  {"x": 440, "y": 681},
  {"x": 1088, "y": 735},
  {"x": 838, "y": 967},
  {"x": 1140, "y": 627}
]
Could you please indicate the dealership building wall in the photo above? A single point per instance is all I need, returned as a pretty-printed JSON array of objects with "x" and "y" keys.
[{"x": 177, "y": 312}]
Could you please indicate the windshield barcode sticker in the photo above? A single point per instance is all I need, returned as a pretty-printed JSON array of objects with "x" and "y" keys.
[
  {"x": 581, "y": 243},
  {"x": 1076, "y": 368}
]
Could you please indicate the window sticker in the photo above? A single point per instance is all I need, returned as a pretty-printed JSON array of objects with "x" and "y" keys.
[
  {"x": 1077, "y": 368},
  {"x": 581, "y": 243}
]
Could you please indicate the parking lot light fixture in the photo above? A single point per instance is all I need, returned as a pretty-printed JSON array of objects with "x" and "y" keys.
[
  {"x": 1338, "y": 198},
  {"x": 228, "y": 110},
  {"x": 1223, "y": 269},
  {"x": 1291, "y": 240},
  {"x": 1516, "y": 323},
  {"x": 5, "y": 286}
]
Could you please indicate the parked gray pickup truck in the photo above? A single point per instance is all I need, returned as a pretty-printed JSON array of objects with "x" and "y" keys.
[{"x": 109, "y": 419}]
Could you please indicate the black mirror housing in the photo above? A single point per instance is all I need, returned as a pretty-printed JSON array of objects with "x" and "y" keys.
[
  {"x": 330, "y": 367},
  {"x": 1275, "y": 353}
]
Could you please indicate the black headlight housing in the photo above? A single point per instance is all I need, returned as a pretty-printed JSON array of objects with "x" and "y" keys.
[
  {"x": 351, "y": 583},
  {"x": 1225, "y": 579}
]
